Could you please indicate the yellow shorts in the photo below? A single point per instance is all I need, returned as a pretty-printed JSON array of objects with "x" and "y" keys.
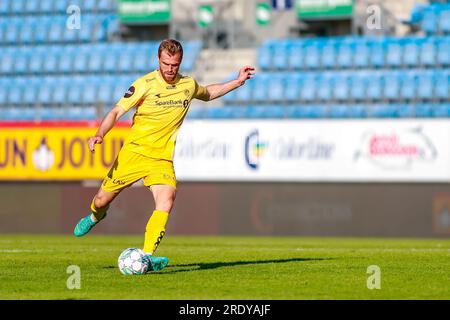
[{"x": 130, "y": 167}]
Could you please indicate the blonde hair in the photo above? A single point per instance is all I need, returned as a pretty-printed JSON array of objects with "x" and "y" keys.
[{"x": 171, "y": 46}]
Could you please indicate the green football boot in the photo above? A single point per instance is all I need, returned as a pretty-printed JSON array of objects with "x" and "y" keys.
[
  {"x": 84, "y": 226},
  {"x": 156, "y": 263}
]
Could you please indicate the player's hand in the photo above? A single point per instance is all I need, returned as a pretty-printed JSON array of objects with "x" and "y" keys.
[
  {"x": 245, "y": 73},
  {"x": 92, "y": 141}
]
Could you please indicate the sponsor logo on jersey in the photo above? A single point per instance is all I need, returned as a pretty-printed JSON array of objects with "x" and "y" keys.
[{"x": 129, "y": 92}]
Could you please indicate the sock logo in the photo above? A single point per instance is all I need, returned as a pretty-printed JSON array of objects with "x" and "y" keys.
[{"x": 161, "y": 235}]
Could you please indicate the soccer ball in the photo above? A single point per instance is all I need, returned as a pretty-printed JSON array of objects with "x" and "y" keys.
[{"x": 133, "y": 261}]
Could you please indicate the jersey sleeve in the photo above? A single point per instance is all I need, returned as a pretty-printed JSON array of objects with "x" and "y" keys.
[
  {"x": 134, "y": 95},
  {"x": 200, "y": 92}
]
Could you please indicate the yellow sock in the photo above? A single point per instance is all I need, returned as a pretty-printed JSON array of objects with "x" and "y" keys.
[
  {"x": 155, "y": 230},
  {"x": 97, "y": 214}
]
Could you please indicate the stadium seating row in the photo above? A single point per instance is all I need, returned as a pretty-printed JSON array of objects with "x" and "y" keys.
[
  {"x": 73, "y": 90},
  {"x": 355, "y": 52},
  {"x": 15, "y": 7},
  {"x": 432, "y": 19},
  {"x": 19, "y": 30},
  {"x": 88, "y": 58},
  {"x": 75, "y": 113},
  {"x": 310, "y": 87},
  {"x": 322, "y": 111}
]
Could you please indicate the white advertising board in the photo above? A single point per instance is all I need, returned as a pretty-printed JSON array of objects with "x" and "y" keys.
[{"x": 405, "y": 150}]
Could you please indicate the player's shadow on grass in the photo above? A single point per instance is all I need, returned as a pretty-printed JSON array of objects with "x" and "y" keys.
[{"x": 215, "y": 265}]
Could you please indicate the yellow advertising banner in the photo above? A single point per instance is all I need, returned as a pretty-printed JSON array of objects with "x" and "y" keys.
[{"x": 56, "y": 153}]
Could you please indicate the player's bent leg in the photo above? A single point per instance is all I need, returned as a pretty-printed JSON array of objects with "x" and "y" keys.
[{"x": 99, "y": 206}]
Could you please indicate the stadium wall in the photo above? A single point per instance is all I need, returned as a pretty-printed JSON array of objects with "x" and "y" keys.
[{"x": 239, "y": 208}]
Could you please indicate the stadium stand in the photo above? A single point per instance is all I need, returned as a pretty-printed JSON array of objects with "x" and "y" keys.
[
  {"x": 354, "y": 76},
  {"x": 51, "y": 72}
]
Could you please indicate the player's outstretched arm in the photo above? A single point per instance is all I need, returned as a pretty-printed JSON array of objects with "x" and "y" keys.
[
  {"x": 107, "y": 124},
  {"x": 215, "y": 91}
]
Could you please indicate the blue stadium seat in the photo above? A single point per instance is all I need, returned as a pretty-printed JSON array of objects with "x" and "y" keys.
[
  {"x": 280, "y": 56},
  {"x": 444, "y": 21},
  {"x": 329, "y": 55},
  {"x": 7, "y": 60},
  {"x": 265, "y": 112},
  {"x": 358, "y": 86},
  {"x": 358, "y": 111},
  {"x": 292, "y": 91},
  {"x": 383, "y": 111},
  {"x": 46, "y": 6},
  {"x": 18, "y": 6},
  {"x": 105, "y": 91},
  {"x": 442, "y": 85},
  {"x": 21, "y": 62},
  {"x": 125, "y": 63},
  {"x": 406, "y": 111},
  {"x": 76, "y": 91},
  {"x": 296, "y": 55},
  {"x": 312, "y": 55},
  {"x": 196, "y": 113},
  {"x": 429, "y": 22},
  {"x": 425, "y": 86},
  {"x": 260, "y": 89},
  {"x": 377, "y": 53},
  {"x": 325, "y": 87},
  {"x": 86, "y": 32},
  {"x": 29, "y": 95},
  {"x": 4, "y": 6},
  {"x": 19, "y": 114},
  {"x": 428, "y": 53},
  {"x": 411, "y": 52},
  {"x": 308, "y": 87},
  {"x": 409, "y": 86},
  {"x": 361, "y": 55},
  {"x": 80, "y": 58},
  {"x": 394, "y": 53},
  {"x": 16, "y": 90},
  {"x": 424, "y": 110},
  {"x": 89, "y": 91},
  {"x": 42, "y": 29},
  {"x": 375, "y": 87},
  {"x": 265, "y": 56},
  {"x": 31, "y": 6},
  {"x": 27, "y": 29},
  {"x": 45, "y": 92},
  {"x": 62, "y": 86},
  {"x": 244, "y": 93},
  {"x": 64, "y": 57},
  {"x": 391, "y": 85},
  {"x": 4, "y": 88},
  {"x": 218, "y": 113},
  {"x": 37, "y": 59},
  {"x": 442, "y": 110},
  {"x": 345, "y": 53},
  {"x": 341, "y": 87},
  {"x": 97, "y": 54},
  {"x": 306, "y": 111},
  {"x": 81, "y": 113},
  {"x": 12, "y": 30},
  {"x": 443, "y": 51},
  {"x": 276, "y": 86},
  {"x": 339, "y": 111}
]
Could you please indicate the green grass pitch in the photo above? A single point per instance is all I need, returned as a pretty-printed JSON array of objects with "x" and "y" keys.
[{"x": 288, "y": 268}]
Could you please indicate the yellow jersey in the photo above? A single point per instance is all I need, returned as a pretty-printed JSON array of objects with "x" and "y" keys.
[{"x": 160, "y": 110}]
